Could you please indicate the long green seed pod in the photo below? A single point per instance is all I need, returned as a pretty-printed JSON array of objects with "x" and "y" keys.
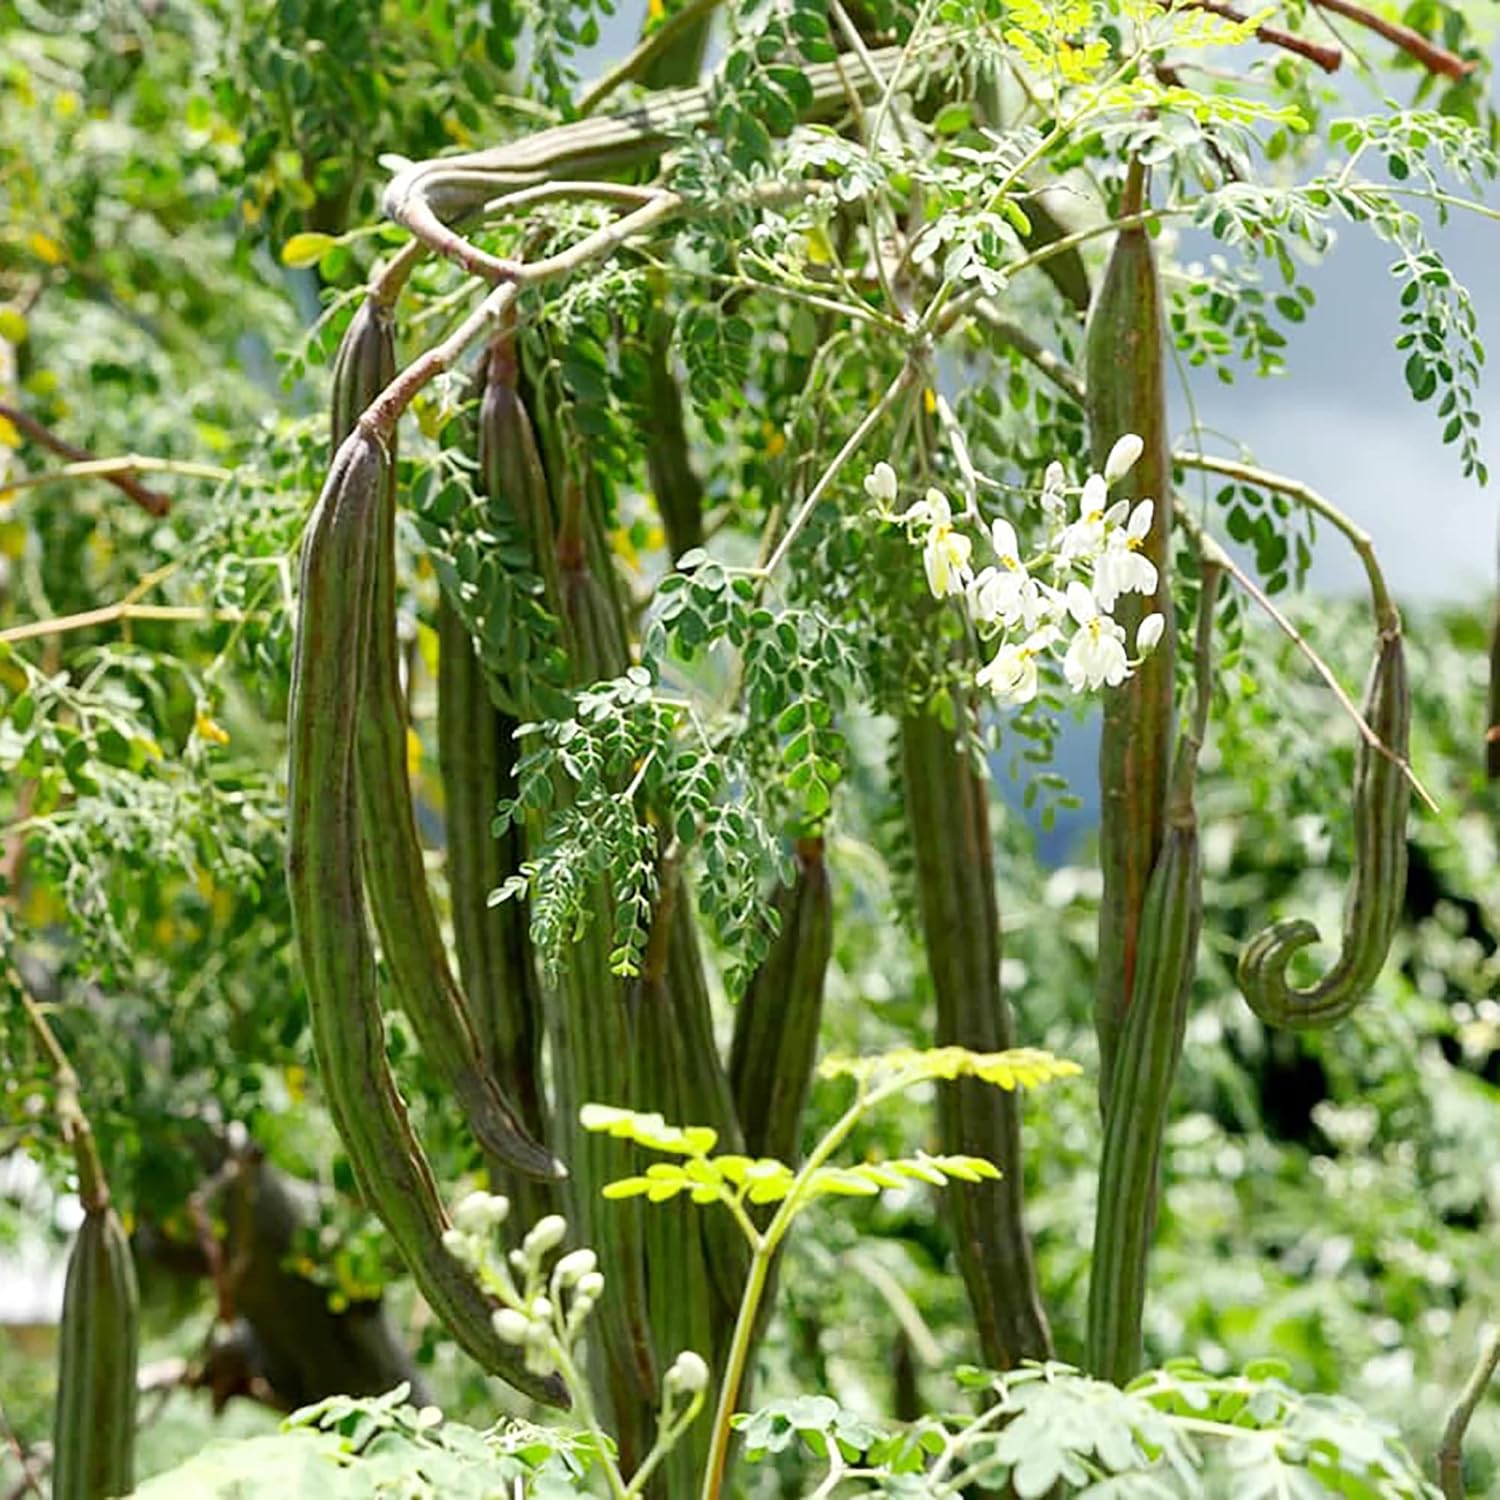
[
  {"x": 948, "y": 814},
  {"x": 1126, "y": 385},
  {"x": 93, "y": 1424},
  {"x": 776, "y": 1025},
  {"x": 1372, "y": 911},
  {"x": 1150, "y": 1047},
  {"x": 328, "y": 905},
  {"x": 396, "y": 876},
  {"x": 493, "y": 943}
]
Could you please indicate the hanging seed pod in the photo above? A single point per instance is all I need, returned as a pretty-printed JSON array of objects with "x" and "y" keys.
[
  {"x": 948, "y": 814},
  {"x": 776, "y": 1025},
  {"x": 330, "y": 664},
  {"x": 1150, "y": 1046},
  {"x": 493, "y": 943},
  {"x": 1372, "y": 911},
  {"x": 396, "y": 876},
  {"x": 93, "y": 1428},
  {"x": 1126, "y": 382}
]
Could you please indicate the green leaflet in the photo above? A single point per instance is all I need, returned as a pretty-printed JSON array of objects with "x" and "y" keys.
[{"x": 1382, "y": 800}]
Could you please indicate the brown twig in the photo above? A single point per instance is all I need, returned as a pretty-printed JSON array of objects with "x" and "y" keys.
[
  {"x": 150, "y": 501},
  {"x": 1434, "y": 58},
  {"x": 1451, "y": 1449},
  {"x": 29, "y": 1482},
  {"x": 1329, "y": 59}
]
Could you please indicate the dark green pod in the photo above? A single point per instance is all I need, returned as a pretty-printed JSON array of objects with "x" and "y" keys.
[
  {"x": 93, "y": 1430},
  {"x": 1126, "y": 380},
  {"x": 1377, "y": 890},
  {"x": 1140, "y": 1093},
  {"x": 776, "y": 1025},
  {"x": 947, "y": 812},
  {"x": 328, "y": 905},
  {"x": 395, "y": 873}
]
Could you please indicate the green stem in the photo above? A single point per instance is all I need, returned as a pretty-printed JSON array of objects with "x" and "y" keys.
[{"x": 1451, "y": 1449}]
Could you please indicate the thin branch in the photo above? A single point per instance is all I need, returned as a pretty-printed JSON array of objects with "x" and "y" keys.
[
  {"x": 1013, "y": 336},
  {"x": 1329, "y": 59},
  {"x": 631, "y": 67},
  {"x": 1211, "y": 551},
  {"x": 1434, "y": 58},
  {"x": 852, "y": 444},
  {"x": 1451, "y": 1449},
  {"x": 114, "y": 469},
  {"x": 126, "y": 609},
  {"x": 149, "y": 501},
  {"x": 93, "y": 1190},
  {"x": 1386, "y": 614},
  {"x": 569, "y": 190}
]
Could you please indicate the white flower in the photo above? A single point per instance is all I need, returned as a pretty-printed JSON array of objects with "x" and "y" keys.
[
  {"x": 880, "y": 484},
  {"x": 946, "y": 552},
  {"x": 1122, "y": 458},
  {"x": 1122, "y": 567},
  {"x": 1148, "y": 634},
  {"x": 1007, "y": 548},
  {"x": 1084, "y": 539},
  {"x": 1096, "y": 654},
  {"x": 932, "y": 510},
  {"x": 1012, "y": 675}
]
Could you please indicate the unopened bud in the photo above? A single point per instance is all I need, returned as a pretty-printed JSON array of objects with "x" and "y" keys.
[
  {"x": 1148, "y": 634},
  {"x": 1122, "y": 458},
  {"x": 546, "y": 1234},
  {"x": 689, "y": 1374},
  {"x": 456, "y": 1243},
  {"x": 511, "y": 1326},
  {"x": 481, "y": 1213},
  {"x": 591, "y": 1286},
  {"x": 574, "y": 1265}
]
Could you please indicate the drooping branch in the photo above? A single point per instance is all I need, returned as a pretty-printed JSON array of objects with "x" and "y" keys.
[
  {"x": 123, "y": 478},
  {"x": 1434, "y": 58}
]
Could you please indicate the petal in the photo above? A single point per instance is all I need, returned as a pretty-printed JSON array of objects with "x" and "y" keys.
[
  {"x": 1140, "y": 520},
  {"x": 1095, "y": 493},
  {"x": 938, "y": 508},
  {"x": 1148, "y": 633},
  {"x": 1003, "y": 538},
  {"x": 1081, "y": 603}
]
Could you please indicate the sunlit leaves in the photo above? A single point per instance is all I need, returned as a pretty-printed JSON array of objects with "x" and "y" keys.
[{"x": 1020, "y": 1067}]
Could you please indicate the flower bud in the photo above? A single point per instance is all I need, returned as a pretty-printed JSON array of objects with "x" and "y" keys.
[
  {"x": 456, "y": 1243},
  {"x": 541, "y": 1309},
  {"x": 880, "y": 483},
  {"x": 591, "y": 1285},
  {"x": 574, "y": 1265},
  {"x": 1122, "y": 458},
  {"x": 546, "y": 1234},
  {"x": 481, "y": 1213},
  {"x": 1148, "y": 634},
  {"x": 689, "y": 1374},
  {"x": 511, "y": 1326}
]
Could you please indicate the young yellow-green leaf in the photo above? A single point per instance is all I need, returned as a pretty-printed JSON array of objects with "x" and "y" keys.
[
  {"x": 1021, "y": 1067},
  {"x": 306, "y": 249},
  {"x": 650, "y": 1130}
]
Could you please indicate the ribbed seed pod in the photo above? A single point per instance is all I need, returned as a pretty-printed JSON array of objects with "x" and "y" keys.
[
  {"x": 93, "y": 1430},
  {"x": 493, "y": 943},
  {"x": 396, "y": 875},
  {"x": 1149, "y": 1048},
  {"x": 1126, "y": 378},
  {"x": 948, "y": 815},
  {"x": 1372, "y": 911},
  {"x": 330, "y": 664},
  {"x": 776, "y": 1025}
]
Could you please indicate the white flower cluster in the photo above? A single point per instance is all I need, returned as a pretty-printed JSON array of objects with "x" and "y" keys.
[
  {"x": 539, "y": 1312},
  {"x": 1057, "y": 601}
]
